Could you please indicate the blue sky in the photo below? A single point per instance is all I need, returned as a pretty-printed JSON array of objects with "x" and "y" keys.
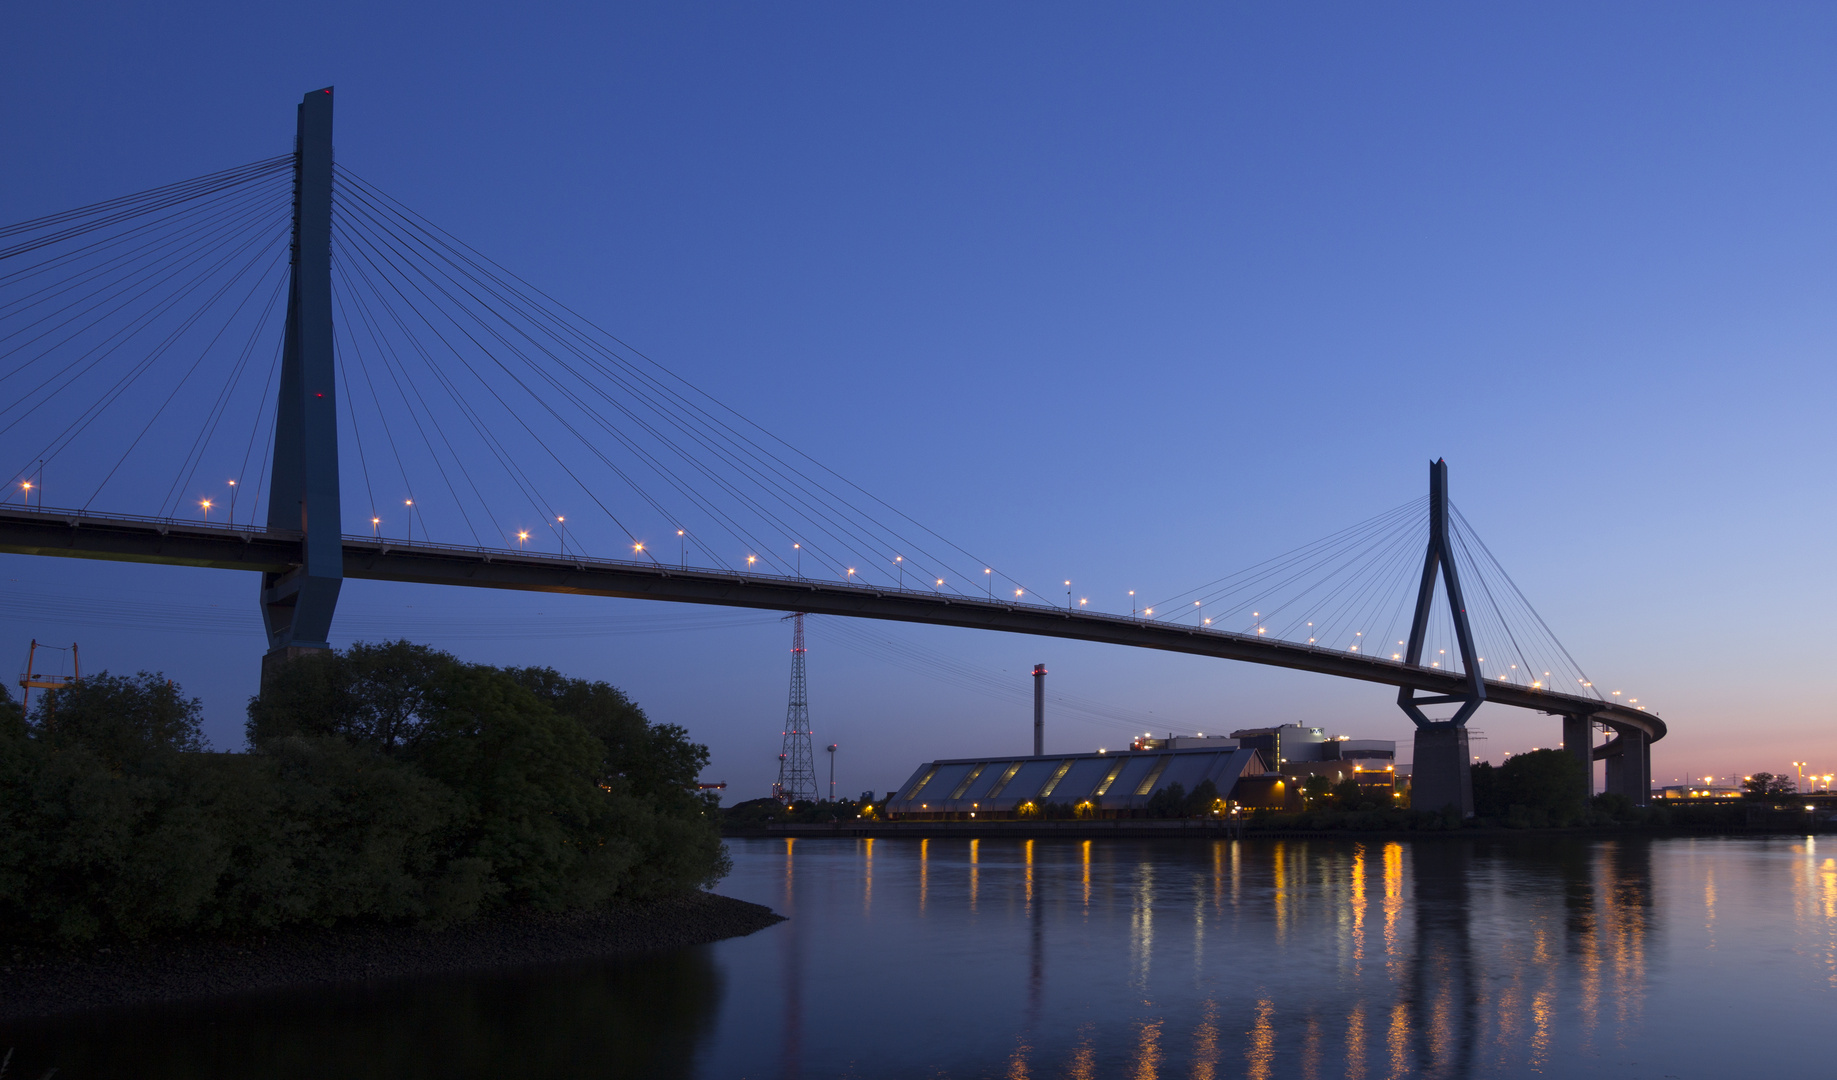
[{"x": 1133, "y": 297}]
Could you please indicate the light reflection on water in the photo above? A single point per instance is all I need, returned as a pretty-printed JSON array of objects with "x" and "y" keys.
[
  {"x": 1032, "y": 959},
  {"x": 1315, "y": 959}
]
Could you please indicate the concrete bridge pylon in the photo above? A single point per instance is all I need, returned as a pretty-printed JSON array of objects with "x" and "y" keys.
[
  {"x": 1442, "y": 774},
  {"x": 297, "y": 604}
]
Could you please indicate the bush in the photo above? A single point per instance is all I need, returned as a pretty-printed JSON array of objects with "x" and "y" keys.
[{"x": 388, "y": 783}]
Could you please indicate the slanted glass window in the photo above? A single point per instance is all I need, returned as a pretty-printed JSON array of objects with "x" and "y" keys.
[
  {"x": 1058, "y": 774},
  {"x": 1109, "y": 778},
  {"x": 1148, "y": 782},
  {"x": 957, "y": 792},
  {"x": 923, "y": 780},
  {"x": 1002, "y": 781}
]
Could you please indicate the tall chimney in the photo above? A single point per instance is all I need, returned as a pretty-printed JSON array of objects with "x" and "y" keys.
[{"x": 1039, "y": 710}]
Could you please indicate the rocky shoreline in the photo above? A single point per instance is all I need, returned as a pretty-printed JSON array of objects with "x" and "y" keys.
[{"x": 43, "y": 982}]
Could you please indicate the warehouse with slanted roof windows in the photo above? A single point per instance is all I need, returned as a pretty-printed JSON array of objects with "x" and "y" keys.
[{"x": 1105, "y": 784}]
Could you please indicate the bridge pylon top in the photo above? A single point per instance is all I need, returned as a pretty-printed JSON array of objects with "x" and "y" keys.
[{"x": 1438, "y": 560}]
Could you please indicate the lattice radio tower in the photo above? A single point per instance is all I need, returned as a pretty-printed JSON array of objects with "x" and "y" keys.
[{"x": 796, "y": 763}]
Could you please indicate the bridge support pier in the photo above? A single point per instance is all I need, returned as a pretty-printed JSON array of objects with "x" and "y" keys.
[
  {"x": 1442, "y": 774},
  {"x": 1629, "y": 767},
  {"x": 1579, "y": 739}
]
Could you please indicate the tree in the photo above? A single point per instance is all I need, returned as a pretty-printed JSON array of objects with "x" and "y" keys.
[
  {"x": 1485, "y": 780},
  {"x": 1543, "y": 788},
  {"x": 1202, "y": 800},
  {"x": 371, "y": 695},
  {"x": 121, "y": 718},
  {"x": 566, "y": 780},
  {"x": 1169, "y": 802},
  {"x": 386, "y": 783},
  {"x": 1316, "y": 787},
  {"x": 657, "y": 760},
  {"x": 1765, "y": 785}
]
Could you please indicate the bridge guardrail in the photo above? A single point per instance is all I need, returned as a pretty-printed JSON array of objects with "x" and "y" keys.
[{"x": 70, "y": 516}]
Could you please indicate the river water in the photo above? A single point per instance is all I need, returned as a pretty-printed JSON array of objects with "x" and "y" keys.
[{"x": 1113, "y": 958}]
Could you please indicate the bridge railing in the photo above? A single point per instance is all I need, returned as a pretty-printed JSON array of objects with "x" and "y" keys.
[{"x": 76, "y": 517}]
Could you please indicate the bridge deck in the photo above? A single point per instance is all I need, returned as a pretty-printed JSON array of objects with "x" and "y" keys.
[{"x": 81, "y": 534}]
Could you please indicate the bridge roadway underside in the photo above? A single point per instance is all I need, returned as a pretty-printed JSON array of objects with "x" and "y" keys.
[{"x": 180, "y": 543}]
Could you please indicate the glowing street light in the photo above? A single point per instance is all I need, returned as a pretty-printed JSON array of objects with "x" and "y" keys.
[
  {"x": 750, "y": 559},
  {"x": 522, "y": 535},
  {"x": 851, "y": 575},
  {"x": 205, "y": 503},
  {"x": 900, "y": 561},
  {"x": 988, "y": 573},
  {"x": 410, "y": 503},
  {"x": 1132, "y": 603},
  {"x": 376, "y": 527},
  {"x": 232, "y": 502},
  {"x": 684, "y": 544},
  {"x": 561, "y": 526},
  {"x": 799, "y": 548}
]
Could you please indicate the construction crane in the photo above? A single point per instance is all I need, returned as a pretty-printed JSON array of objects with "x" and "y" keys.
[{"x": 33, "y": 679}]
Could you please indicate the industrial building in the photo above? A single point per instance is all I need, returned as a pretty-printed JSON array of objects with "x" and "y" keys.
[
  {"x": 1254, "y": 767},
  {"x": 1106, "y": 783},
  {"x": 1299, "y": 752}
]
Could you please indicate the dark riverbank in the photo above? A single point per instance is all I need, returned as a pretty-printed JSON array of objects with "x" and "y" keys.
[{"x": 41, "y": 982}]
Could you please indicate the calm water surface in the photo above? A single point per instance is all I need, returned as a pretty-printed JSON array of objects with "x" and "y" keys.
[{"x": 1021, "y": 959}]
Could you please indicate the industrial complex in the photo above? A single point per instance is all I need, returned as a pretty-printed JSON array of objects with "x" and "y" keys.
[{"x": 1254, "y": 767}]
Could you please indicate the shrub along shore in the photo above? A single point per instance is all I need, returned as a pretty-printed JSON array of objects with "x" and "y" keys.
[{"x": 385, "y": 787}]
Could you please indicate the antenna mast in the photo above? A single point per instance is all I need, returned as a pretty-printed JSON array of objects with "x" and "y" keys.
[{"x": 796, "y": 763}]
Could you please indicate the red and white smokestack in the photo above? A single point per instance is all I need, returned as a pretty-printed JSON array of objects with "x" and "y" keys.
[{"x": 1039, "y": 710}]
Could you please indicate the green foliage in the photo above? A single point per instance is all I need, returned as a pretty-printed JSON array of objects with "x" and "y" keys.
[
  {"x": 1765, "y": 786},
  {"x": 377, "y": 696},
  {"x": 387, "y": 783},
  {"x": 12, "y": 717},
  {"x": 1202, "y": 800},
  {"x": 1174, "y": 801},
  {"x": 1613, "y": 806},
  {"x": 123, "y": 719},
  {"x": 1540, "y": 789},
  {"x": 1169, "y": 802},
  {"x": 1316, "y": 787},
  {"x": 755, "y": 813},
  {"x": 1486, "y": 802}
]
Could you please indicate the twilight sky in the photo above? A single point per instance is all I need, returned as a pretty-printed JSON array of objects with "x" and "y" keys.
[{"x": 1135, "y": 297}]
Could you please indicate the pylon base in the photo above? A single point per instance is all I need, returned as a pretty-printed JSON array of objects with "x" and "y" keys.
[{"x": 1442, "y": 775}]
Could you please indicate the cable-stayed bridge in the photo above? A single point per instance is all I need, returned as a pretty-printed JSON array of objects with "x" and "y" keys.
[{"x": 278, "y": 368}]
